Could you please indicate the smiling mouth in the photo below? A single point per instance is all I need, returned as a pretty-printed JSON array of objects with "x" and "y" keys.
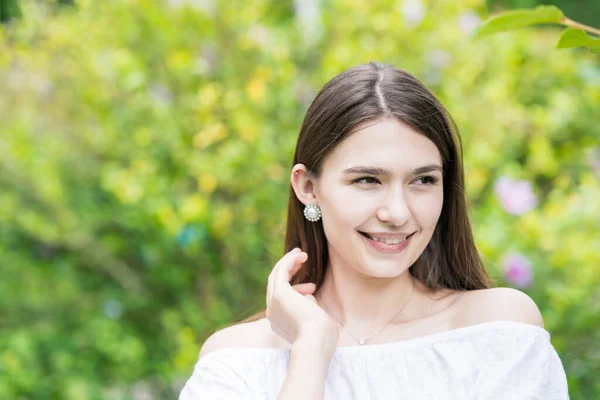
[{"x": 390, "y": 241}]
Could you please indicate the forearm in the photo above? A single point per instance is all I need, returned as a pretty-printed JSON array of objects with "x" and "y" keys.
[{"x": 309, "y": 363}]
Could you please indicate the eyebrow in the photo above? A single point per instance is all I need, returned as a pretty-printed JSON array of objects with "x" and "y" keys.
[{"x": 361, "y": 169}]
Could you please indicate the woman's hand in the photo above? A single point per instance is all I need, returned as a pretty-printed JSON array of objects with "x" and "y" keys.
[{"x": 293, "y": 311}]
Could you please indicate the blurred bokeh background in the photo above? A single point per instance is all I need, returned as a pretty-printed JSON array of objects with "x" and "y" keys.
[{"x": 145, "y": 149}]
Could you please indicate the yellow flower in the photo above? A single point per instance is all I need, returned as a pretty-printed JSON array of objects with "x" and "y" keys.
[
  {"x": 194, "y": 208},
  {"x": 207, "y": 183},
  {"x": 210, "y": 135}
]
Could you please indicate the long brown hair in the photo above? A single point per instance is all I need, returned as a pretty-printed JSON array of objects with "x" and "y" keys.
[{"x": 370, "y": 92}]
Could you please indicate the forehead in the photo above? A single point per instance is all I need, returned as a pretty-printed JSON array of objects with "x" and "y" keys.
[{"x": 387, "y": 143}]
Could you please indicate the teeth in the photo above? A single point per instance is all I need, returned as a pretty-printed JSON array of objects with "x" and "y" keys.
[{"x": 387, "y": 241}]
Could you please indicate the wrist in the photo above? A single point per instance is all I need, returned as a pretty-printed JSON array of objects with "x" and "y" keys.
[
  {"x": 314, "y": 351},
  {"x": 321, "y": 337}
]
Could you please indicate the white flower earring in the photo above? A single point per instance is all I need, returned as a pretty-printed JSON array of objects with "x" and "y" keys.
[{"x": 312, "y": 213}]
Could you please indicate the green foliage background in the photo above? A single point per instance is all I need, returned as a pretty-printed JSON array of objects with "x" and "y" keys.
[
  {"x": 584, "y": 11},
  {"x": 145, "y": 149}
]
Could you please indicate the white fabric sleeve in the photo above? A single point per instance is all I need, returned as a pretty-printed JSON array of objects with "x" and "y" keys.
[
  {"x": 217, "y": 378},
  {"x": 521, "y": 367}
]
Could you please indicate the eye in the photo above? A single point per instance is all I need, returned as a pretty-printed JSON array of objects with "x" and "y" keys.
[
  {"x": 366, "y": 180},
  {"x": 428, "y": 180}
]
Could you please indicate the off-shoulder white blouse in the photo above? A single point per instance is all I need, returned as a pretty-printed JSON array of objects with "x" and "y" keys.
[{"x": 493, "y": 360}]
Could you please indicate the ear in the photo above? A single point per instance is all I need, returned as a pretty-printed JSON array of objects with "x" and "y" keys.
[{"x": 303, "y": 185}]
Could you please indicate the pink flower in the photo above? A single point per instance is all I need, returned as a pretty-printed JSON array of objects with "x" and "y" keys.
[
  {"x": 468, "y": 21},
  {"x": 594, "y": 160},
  {"x": 438, "y": 58},
  {"x": 413, "y": 12},
  {"x": 517, "y": 197},
  {"x": 309, "y": 20},
  {"x": 517, "y": 270}
]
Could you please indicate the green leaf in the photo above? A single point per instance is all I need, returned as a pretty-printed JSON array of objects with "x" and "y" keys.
[
  {"x": 577, "y": 38},
  {"x": 516, "y": 19},
  {"x": 9, "y": 9}
]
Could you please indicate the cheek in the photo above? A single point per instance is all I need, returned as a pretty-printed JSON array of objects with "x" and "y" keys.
[
  {"x": 427, "y": 210},
  {"x": 345, "y": 208},
  {"x": 350, "y": 207}
]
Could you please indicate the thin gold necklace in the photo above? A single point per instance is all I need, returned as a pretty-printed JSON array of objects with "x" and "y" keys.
[{"x": 360, "y": 340}]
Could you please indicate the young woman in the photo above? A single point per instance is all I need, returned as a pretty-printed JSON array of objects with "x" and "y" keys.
[{"x": 381, "y": 294}]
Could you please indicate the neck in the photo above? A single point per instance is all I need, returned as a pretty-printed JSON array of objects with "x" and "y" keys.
[{"x": 365, "y": 304}]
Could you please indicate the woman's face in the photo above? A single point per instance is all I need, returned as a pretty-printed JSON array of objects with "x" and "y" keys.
[{"x": 383, "y": 181}]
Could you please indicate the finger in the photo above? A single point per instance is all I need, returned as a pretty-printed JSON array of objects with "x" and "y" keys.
[
  {"x": 311, "y": 298},
  {"x": 283, "y": 272},
  {"x": 305, "y": 288},
  {"x": 297, "y": 261},
  {"x": 285, "y": 259},
  {"x": 282, "y": 277},
  {"x": 285, "y": 263},
  {"x": 270, "y": 280},
  {"x": 297, "y": 265}
]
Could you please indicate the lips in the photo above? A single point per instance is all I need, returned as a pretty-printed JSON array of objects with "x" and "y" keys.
[
  {"x": 383, "y": 235},
  {"x": 385, "y": 248}
]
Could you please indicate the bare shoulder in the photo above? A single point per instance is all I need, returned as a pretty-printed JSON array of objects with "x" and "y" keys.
[
  {"x": 256, "y": 334},
  {"x": 498, "y": 304}
]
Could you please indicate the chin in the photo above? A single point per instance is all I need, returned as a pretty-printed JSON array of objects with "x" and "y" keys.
[{"x": 383, "y": 269}]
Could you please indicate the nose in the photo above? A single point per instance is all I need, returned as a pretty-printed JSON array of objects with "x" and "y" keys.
[{"x": 395, "y": 209}]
